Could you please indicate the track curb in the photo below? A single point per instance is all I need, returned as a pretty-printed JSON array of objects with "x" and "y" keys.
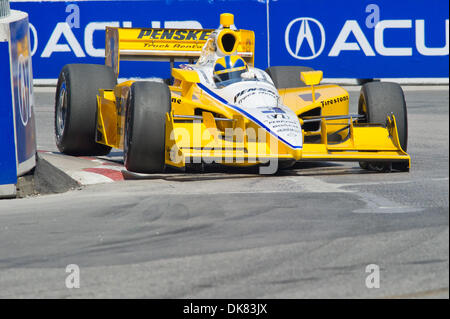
[{"x": 45, "y": 179}]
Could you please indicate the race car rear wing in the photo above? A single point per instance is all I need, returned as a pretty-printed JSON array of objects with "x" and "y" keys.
[{"x": 142, "y": 44}]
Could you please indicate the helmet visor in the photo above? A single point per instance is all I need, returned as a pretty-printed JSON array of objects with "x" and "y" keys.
[{"x": 229, "y": 76}]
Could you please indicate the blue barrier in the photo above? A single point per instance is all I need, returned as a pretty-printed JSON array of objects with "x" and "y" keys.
[
  {"x": 411, "y": 40},
  {"x": 17, "y": 122},
  {"x": 363, "y": 39}
]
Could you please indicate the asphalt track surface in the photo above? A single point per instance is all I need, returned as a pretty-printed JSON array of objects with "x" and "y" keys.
[{"x": 309, "y": 232}]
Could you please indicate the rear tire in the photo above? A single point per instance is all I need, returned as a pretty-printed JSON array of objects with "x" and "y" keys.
[
  {"x": 286, "y": 77},
  {"x": 145, "y": 127},
  {"x": 76, "y": 108},
  {"x": 378, "y": 100}
]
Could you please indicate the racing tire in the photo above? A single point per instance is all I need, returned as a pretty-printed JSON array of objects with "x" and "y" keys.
[
  {"x": 286, "y": 77},
  {"x": 378, "y": 100},
  {"x": 76, "y": 108},
  {"x": 145, "y": 127}
]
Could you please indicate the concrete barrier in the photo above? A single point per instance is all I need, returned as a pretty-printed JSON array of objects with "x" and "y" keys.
[{"x": 17, "y": 121}]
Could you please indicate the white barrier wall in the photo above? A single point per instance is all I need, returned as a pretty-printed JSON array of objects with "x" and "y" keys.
[{"x": 17, "y": 121}]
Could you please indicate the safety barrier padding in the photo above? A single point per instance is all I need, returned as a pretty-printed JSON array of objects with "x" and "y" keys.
[{"x": 17, "y": 121}]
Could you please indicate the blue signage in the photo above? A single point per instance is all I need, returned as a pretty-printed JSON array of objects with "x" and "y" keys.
[
  {"x": 22, "y": 79},
  {"x": 350, "y": 39},
  {"x": 362, "y": 39},
  {"x": 8, "y": 173}
]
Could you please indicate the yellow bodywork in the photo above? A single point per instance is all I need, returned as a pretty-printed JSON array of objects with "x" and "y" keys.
[
  {"x": 197, "y": 126},
  {"x": 202, "y": 139}
]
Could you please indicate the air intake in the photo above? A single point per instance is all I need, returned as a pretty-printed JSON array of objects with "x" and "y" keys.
[
  {"x": 228, "y": 42},
  {"x": 312, "y": 126}
]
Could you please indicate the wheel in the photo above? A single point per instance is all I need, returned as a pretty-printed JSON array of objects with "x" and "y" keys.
[
  {"x": 285, "y": 77},
  {"x": 76, "y": 108},
  {"x": 145, "y": 127},
  {"x": 378, "y": 100}
]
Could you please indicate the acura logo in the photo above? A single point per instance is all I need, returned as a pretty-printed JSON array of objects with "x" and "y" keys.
[
  {"x": 24, "y": 87},
  {"x": 305, "y": 37}
]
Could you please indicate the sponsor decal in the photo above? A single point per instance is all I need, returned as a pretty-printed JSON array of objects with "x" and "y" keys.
[
  {"x": 418, "y": 33},
  {"x": 282, "y": 124},
  {"x": 334, "y": 100},
  {"x": 245, "y": 94},
  {"x": 277, "y": 116},
  {"x": 271, "y": 110},
  {"x": 25, "y": 89},
  {"x": 65, "y": 39},
  {"x": 185, "y": 67},
  {"x": 305, "y": 39},
  {"x": 171, "y": 34},
  {"x": 176, "y": 100},
  {"x": 293, "y": 143},
  {"x": 164, "y": 41}
]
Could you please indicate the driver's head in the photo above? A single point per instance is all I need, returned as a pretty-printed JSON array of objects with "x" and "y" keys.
[{"x": 228, "y": 69}]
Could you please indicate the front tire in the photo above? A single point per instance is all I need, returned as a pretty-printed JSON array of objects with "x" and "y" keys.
[
  {"x": 145, "y": 127},
  {"x": 377, "y": 101},
  {"x": 76, "y": 108}
]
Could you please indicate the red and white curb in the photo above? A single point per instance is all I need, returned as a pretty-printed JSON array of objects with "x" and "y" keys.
[
  {"x": 91, "y": 170},
  {"x": 104, "y": 173}
]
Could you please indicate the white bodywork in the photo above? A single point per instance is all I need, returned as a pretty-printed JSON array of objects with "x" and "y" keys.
[{"x": 256, "y": 97}]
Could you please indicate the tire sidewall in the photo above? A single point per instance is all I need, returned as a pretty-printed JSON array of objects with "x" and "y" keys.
[
  {"x": 145, "y": 127},
  {"x": 376, "y": 104},
  {"x": 66, "y": 137},
  {"x": 82, "y": 82}
]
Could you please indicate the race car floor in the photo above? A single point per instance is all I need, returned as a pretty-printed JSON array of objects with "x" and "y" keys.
[{"x": 309, "y": 232}]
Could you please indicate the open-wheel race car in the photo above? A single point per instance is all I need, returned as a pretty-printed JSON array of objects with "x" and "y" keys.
[{"x": 218, "y": 108}]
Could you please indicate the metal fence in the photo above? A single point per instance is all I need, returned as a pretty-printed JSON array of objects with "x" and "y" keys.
[{"x": 4, "y": 8}]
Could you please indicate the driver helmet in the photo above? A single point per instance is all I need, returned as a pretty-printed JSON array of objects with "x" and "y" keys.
[{"x": 228, "y": 69}]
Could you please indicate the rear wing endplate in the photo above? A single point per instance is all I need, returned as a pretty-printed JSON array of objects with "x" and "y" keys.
[{"x": 180, "y": 45}]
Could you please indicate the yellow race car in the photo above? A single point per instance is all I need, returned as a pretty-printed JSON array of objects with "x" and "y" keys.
[{"x": 218, "y": 108}]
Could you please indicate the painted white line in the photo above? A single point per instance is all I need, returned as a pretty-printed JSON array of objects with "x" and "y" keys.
[{"x": 443, "y": 179}]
